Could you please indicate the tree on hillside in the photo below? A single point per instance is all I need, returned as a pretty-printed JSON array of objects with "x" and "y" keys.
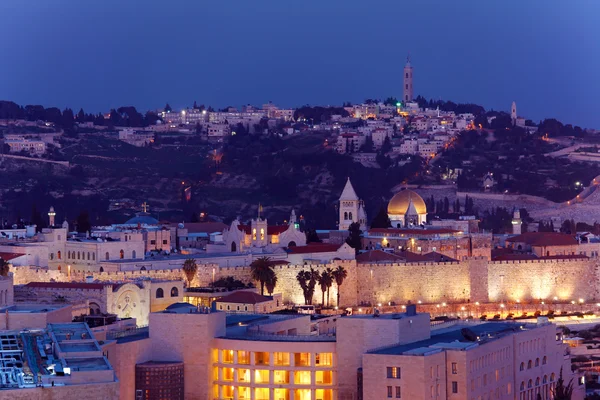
[
  {"x": 190, "y": 268},
  {"x": 4, "y": 268},
  {"x": 83, "y": 222},
  {"x": 261, "y": 270},
  {"x": 339, "y": 275},
  {"x": 354, "y": 236},
  {"x": 562, "y": 392},
  {"x": 381, "y": 220}
]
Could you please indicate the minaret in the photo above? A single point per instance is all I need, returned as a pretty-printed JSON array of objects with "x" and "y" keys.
[
  {"x": 349, "y": 205},
  {"x": 516, "y": 222},
  {"x": 51, "y": 215},
  {"x": 513, "y": 113},
  {"x": 408, "y": 81}
]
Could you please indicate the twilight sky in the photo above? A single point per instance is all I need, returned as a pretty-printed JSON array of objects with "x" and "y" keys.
[{"x": 544, "y": 54}]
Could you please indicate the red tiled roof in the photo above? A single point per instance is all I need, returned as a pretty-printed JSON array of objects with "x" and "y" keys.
[
  {"x": 376, "y": 256},
  {"x": 10, "y": 256},
  {"x": 313, "y": 248},
  {"x": 544, "y": 239},
  {"x": 271, "y": 229},
  {"x": 439, "y": 231},
  {"x": 67, "y": 285},
  {"x": 244, "y": 297}
]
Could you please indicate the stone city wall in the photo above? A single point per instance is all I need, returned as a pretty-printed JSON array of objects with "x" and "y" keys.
[{"x": 473, "y": 279}]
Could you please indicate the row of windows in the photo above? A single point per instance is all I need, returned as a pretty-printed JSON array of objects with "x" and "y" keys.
[
  {"x": 81, "y": 255},
  {"x": 531, "y": 345},
  {"x": 279, "y": 358},
  {"x": 160, "y": 292},
  {"x": 262, "y": 376},
  {"x": 530, "y": 363},
  {"x": 486, "y": 379},
  {"x": 243, "y": 393},
  {"x": 489, "y": 359},
  {"x": 390, "y": 392},
  {"x": 537, "y": 381}
]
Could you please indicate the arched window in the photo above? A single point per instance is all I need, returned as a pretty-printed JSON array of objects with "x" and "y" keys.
[
  {"x": 345, "y": 216},
  {"x": 93, "y": 256},
  {"x": 58, "y": 255},
  {"x": 530, "y": 384},
  {"x": 174, "y": 292},
  {"x": 133, "y": 254},
  {"x": 89, "y": 256},
  {"x": 107, "y": 256},
  {"x": 529, "y": 364},
  {"x": 552, "y": 377},
  {"x": 537, "y": 362},
  {"x": 537, "y": 381},
  {"x": 545, "y": 379},
  {"x": 544, "y": 360},
  {"x": 233, "y": 247},
  {"x": 522, "y": 366},
  {"x": 160, "y": 293},
  {"x": 522, "y": 385},
  {"x": 52, "y": 256},
  {"x": 78, "y": 255},
  {"x": 228, "y": 308},
  {"x": 68, "y": 255},
  {"x": 121, "y": 254},
  {"x": 350, "y": 216},
  {"x": 101, "y": 269}
]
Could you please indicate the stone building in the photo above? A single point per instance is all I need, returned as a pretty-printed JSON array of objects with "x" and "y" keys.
[{"x": 351, "y": 209}]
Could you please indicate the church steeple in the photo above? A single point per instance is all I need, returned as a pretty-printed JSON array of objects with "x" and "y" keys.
[
  {"x": 407, "y": 89},
  {"x": 351, "y": 208}
]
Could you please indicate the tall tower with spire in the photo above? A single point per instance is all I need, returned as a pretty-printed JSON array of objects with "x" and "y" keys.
[
  {"x": 51, "y": 216},
  {"x": 513, "y": 113},
  {"x": 407, "y": 89},
  {"x": 351, "y": 209}
]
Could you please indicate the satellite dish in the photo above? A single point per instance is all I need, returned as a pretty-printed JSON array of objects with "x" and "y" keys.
[{"x": 468, "y": 334}]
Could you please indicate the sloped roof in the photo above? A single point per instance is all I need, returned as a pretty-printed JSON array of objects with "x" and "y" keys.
[
  {"x": 544, "y": 239},
  {"x": 348, "y": 193},
  {"x": 375, "y": 256},
  {"x": 9, "y": 256},
  {"x": 244, "y": 297}
]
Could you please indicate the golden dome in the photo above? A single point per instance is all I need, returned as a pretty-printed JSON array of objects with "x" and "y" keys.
[{"x": 398, "y": 205}]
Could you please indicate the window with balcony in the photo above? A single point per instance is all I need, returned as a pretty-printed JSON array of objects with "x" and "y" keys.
[
  {"x": 261, "y": 376},
  {"x": 227, "y": 356},
  {"x": 323, "y": 377},
  {"x": 302, "y": 359},
  {"x": 261, "y": 358},
  {"x": 261, "y": 394},
  {"x": 302, "y": 377},
  {"x": 281, "y": 358},
  {"x": 227, "y": 392},
  {"x": 227, "y": 374},
  {"x": 243, "y": 357},
  {"x": 243, "y": 375},
  {"x": 243, "y": 393},
  {"x": 302, "y": 394},
  {"x": 323, "y": 394},
  {"x": 281, "y": 394},
  {"x": 280, "y": 377},
  {"x": 324, "y": 359}
]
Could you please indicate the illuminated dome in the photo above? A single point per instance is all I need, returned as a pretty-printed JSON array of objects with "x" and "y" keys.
[{"x": 399, "y": 204}]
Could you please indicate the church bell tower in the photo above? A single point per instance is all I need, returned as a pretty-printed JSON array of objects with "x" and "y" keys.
[{"x": 407, "y": 89}]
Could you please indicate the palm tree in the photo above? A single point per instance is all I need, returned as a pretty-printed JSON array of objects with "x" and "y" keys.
[
  {"x": 302, "y": 279},
  {"x": 4, "y": 268},
  {"x": 271, "y": 282},
  {"x": 562, "y": 392},
  {"x": 339, "y": 274},
  {"x": 190, "y": 268},
  {"x": 323, "y": 284},
  {"x": 329, "y": 272},
  {"x": 261, "y": 270}
]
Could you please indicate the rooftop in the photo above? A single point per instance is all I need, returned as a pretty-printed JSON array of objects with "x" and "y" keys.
[
  {"x": 244, "y": 297},
  {"x": 454, "y": 339},
  {"x": 544, "y": 239}
]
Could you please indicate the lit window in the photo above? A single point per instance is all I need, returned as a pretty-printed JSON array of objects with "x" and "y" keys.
[
  {"x": 281, "y": 358},
  {"x": 302, "y": 359},
  {"x": 243, "y": 375},
  {"x": 243, "y": 357},
  {"x": 302, "y": 377},
  {"x": 324, "y": 359},
  {"x": 228, "y": 356},
  {"x": 454, "y": 368},
  {"x": 261, "y": 376},
  {"x": 323, "y": 377},
  {"x": 281, "y": 377},
  {"x": 261, "y": 358},
  {"x": 228, "y": 374},
  {"x": 393, "y": 372}
]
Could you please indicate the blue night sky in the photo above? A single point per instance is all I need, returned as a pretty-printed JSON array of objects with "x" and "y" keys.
[{"x": 545, "y": 55}]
